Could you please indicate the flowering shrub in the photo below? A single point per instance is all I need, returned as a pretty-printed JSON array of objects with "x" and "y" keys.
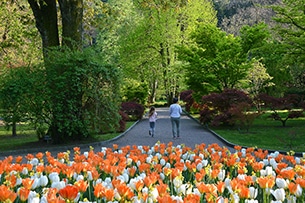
[{"x": 161, "y": 173}]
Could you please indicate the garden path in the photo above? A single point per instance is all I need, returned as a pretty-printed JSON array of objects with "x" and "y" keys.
[{"x": 191, "y": 134}]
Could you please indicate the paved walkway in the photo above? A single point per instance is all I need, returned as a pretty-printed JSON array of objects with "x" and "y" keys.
[{"x": 191, "y": 133}]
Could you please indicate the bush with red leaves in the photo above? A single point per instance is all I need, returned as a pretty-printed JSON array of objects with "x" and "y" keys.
[
  {"x": 218, "y": 106},
  {"x": 134, "y": 110}
]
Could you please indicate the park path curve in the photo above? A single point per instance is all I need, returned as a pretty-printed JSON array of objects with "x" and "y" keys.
[{"x": 191, "y": 134}]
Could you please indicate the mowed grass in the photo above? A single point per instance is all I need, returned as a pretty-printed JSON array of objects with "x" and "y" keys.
[
  {"x": 267, "y": 133},
  {"x": 26, "y": 137}
]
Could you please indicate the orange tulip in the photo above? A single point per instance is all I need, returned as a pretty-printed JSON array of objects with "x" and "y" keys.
[
  {"x": 292, "y": 188},
  {"x": 162, "y": 189},
  {"x": 19, "y": 159},
  {"x": 69, "y": 192},
  {"x": 23, "y": 194},
  {"x": 266, "y": 182},
  {"x": 6, "y": 195},
  {"x": 99, "y": 190},
  {"x": 109, "y": 194},
  {"x": 192, "y": 198},
  {"x": 27, "y": 183},
  {"x": 81, "y": 185},
  {"x": 288, "y": 174},
  {"x": 244, "y": 192}
]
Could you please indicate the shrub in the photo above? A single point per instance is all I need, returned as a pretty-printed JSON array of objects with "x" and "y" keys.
[
  {"x": 134, "y": 110},
  {"x": 217, "y": 106},
  {"x": 187, "y": 98}
]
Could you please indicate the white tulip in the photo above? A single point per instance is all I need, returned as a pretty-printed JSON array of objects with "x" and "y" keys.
[
  {"x": 18, "y": 181},
  {"x": 177, "y": 182},
  {"x": 205, "y": 162},
  {"x": 199, "y": 166},
  {"x": 43, "y": 181},
  {"x": 58, "y": 185},
  {"x": 279, "y": 194},
  {"x": 221, "y": 175},
  {"x": 35, "y": 183},
  {"x": 281, "y": 183},
  {"x": 25, "y": 171},
  {"x": 34, "y": 162},
  {"x": 269, "y": 171},
  {"x": 253, "y": 192},
  {"x": 162, "y": 176},
  {"x": 86, "y": 154},
  {"x": 148, "y": 159},
  {"x": 43, "y": 199},
  {"x": 181, "y": 190},
  {"x": 33, "y": 197},
  {"x": 89, "y": 175},
  {"x": 291, "y": 199},
  {"x": 298, "y": 160},
  {"x": 299, "y": 191},
  {"x": 54, "y": 177},
  {"x": 79, "y": 177},
  {"x": 154, "y": 194},
  {"x": 177, "y": 199}
]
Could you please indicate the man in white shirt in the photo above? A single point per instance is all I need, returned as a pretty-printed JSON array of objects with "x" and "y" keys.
[{"x": 175, "y": 111}]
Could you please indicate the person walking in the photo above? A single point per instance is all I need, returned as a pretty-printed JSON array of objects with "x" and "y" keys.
[
  {"x": 152, "y": 120},
  {"x": 175, "y": 111}
]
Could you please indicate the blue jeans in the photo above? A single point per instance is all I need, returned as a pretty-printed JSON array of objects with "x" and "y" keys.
[
  {"x": 152, "y": 128},
  {"x": 175, "y": 126}
]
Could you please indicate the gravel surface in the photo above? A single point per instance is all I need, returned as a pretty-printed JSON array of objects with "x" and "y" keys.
[{"x": 191, "y": 134}]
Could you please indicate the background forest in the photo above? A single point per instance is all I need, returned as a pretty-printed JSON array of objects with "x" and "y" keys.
[{"x": 67, "y": 66}]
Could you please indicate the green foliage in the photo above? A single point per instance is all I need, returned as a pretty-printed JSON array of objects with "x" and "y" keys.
[
  {"x": 216, "y": 61},
  {"x": 135, "y": 91},
  {"x": 23, "y": 95},
  {"x": 148, "y": 49},
  {"x": 83, "y": 94},
  {"x": 257, "y": 79},
  {"x": 291, "y": 26},
  {"x": 19, "y": 42}
]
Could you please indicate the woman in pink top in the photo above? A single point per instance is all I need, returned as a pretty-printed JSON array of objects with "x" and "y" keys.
[{"x": 152, "y": 120}]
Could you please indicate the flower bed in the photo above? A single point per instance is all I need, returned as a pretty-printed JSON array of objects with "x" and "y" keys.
[{"x": 161, "y": 173}]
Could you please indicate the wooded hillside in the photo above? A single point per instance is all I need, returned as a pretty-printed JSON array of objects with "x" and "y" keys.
[{"x": 233, "y": 14}]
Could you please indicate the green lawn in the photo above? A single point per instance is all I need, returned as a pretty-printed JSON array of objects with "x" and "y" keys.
[
  {"x": 268, "y": 134},
  {"x": 26, "y": 137}
]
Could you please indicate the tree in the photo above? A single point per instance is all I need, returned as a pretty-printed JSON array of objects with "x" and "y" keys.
[
  {"x": 291, "y": 26},
  {"x": 148, "y": 51},
  {"x": 257, "y": 79},
  {"x": 259, "y": 44},
  {"x": 216, "y": 60},
  {"x": 19, "y": 38},
  {"x": 78, "y": 84},
  {"x": 276, "y": 104}
]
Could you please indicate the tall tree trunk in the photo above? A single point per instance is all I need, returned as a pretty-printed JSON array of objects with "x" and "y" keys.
[
  {"x": 72, "y": 18},
  {"x": 45, "y": 14}
]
